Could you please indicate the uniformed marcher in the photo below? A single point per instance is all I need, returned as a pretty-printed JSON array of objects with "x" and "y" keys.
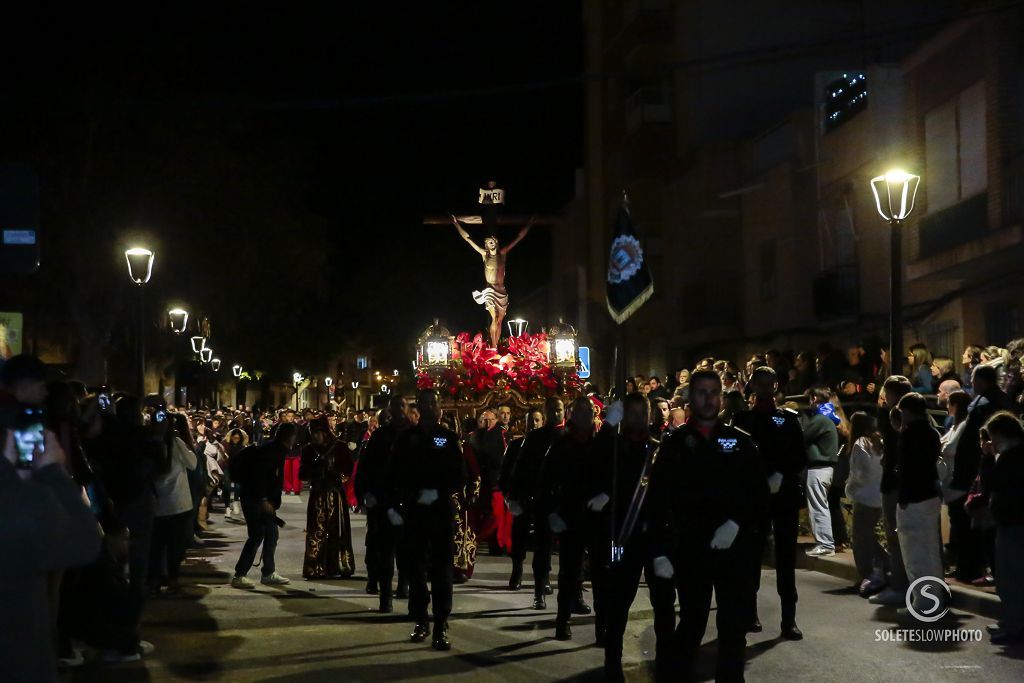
[
  {"x": 780, "y": 442},
  {"x": 708, "y": 491},
  {"x": 525, "y": 499},
  {"x": 630, "y": 532},
  {"x": 568, "y": 482},
  {"x": 520, "y": 536},
  {"x": 429, "y": 472},
  {"x": 375, "y": 488}
]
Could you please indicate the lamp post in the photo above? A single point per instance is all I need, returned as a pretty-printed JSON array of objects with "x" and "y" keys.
[
  {"x": 206, "y": 354},
  {"x": 140, "y": 269},
  {"x": 355, "y": 395},
  {"x": 198, "y": 344},
  {"x": 236, "y": 371},
  {"x": 894, "y": 198}
]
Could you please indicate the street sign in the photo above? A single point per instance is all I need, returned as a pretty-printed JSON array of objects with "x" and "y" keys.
[{"x": 584, "y": 371}]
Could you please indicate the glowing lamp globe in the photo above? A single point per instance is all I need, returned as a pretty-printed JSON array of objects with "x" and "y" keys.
[
  {"x": 894, "y": 194},
  {"x": 140, "y": 264},
  {"x": 178, "y": 318}
]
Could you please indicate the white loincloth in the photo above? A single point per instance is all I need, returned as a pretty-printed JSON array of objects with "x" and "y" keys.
[{"x": 492, "y": 300}]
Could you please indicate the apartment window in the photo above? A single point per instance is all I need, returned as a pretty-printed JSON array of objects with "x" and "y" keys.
[
  {"x": 362, "y": 362},
  {"x": 1002, "y": 323},
  {"x": 768, "y": 270},
  {"x": 845, "y": 97},
  {"x": 956, "y": 162},
  {"x": 940, "y": 338}
]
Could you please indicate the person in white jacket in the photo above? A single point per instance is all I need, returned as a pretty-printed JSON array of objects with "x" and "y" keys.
[
  {"x": 172, "y": 525},
  {"x": 863, "y": 487}
]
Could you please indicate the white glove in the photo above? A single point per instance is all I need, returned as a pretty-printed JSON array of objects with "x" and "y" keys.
[
  {"x": 352, "y": 445},
  {"x": 598, "y": 502},
  {"x": 514, "y": 508},
  {"x": 613, "y": 414},
  {"x": 427, "y": 496},
  {"x": 556, "y": 523},
  {"x": 663, "y": 568},
  {"x": 370, "y": 501},
  {"x": 395, "y": 518},
  {"x": 725, "y": 535},
  {"x": 775, "y": 482}
]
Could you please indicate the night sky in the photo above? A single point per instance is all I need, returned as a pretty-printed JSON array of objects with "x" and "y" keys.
[{"x": 280, "y": 165}]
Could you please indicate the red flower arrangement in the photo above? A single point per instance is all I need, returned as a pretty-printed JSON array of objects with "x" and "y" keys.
[{"x": 520, "y": 363}]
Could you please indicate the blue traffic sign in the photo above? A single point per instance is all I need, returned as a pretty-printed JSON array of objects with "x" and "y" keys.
[{"x": 584, "y": 371}]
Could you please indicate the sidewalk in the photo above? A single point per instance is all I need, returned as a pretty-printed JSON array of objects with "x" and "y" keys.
[{"x": 967, "y": 598}]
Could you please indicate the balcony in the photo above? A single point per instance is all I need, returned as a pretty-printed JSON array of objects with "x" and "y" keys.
[
  {"x": 950, "y": 228},
  {"x": 648, "y": 106},
  {"x": 836, "y": 293}
]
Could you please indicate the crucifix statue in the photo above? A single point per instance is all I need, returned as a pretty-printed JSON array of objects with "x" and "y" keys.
[{"x": 494, "y": 297}]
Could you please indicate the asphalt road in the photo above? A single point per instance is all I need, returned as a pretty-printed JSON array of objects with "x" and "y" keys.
[{"x": 327, "y": 631}]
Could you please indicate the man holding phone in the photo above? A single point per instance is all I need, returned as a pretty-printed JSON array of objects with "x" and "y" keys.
[{"x": 44, "y": 526}]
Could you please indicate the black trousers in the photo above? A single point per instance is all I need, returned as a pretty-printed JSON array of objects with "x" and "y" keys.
[
  {"x": 430, "y": 543},
  {"x": 785, "y": 519},
  {"x": 571, "y": 547},
  {"x": 623, "y": 581},
  {"x": 381, "y": 548},
  {"x": 966, "y": 543},
  {"x": 541, "y": 547},
  {"x": 698, "y": 571}
]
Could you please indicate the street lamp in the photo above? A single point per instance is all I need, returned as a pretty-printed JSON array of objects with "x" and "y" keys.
[
  {"x": 296, "y": 380},
  {"x": 179, "y": 320},
  {"x": 236, "y": 370},
  {"x": 140, "y": 269},
  {"x": 562, "y": 346},
  {"x": 894, "y": 198},
  {"x": 215, "y": 364},
  {"x": 206, "y": 354},
  {"x": 198, "y": 344},
  {"x": 519, "y": 329}
]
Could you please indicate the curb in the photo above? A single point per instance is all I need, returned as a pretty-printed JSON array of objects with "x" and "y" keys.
[{"x": 964, "y": 599}]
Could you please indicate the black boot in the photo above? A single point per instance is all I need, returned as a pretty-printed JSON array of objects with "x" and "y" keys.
[
  {"x": 441, "y": 641},
  {"x": 402, "y": 593},
  {"x": 386, "y": 606},
  {"x": 420, "y": 633},
  {"x": 790, "y": 631},
  {"x": 539, "y": 603},
  {"x": 755, "y": 626},
  {"x": 515, "y": 582},
  {"x": 580, "y": 607},
  {"x": 371, "y": 587},
  {"x": 562, "y": 628}
]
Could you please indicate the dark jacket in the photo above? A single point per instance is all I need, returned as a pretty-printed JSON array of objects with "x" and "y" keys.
[
  {"x": 968, "y": 447},
  {"x": 630, "y": 456},
  {"x": 701, "y": 482},
  {"x": 916, "y": 473},
  {"x": 259, "y": 472},
  {"x": 568, "y": 479},
  {"x": 326, "y": 468},
  {"x": 822, "y": 441},
  {"x": 375, "y": 472},
  {"x": 890, "y": 451},
  {"x": 489, "y": 449},
  {"x": 45, "y": 527},
  {"x": 780, "y": 445},
  {"x": 1006, "y": 487},
  {"x": 525, "y": 480},
  {"x": 428, "y": 457}
]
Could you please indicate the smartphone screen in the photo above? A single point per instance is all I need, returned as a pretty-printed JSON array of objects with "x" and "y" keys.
[{"x": 26, "y": 440}]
